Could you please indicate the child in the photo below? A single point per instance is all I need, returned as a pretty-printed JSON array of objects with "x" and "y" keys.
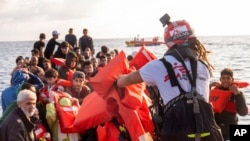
[
  {"x": 51, "y": 76},
  {"x": 235, "y": 105}
]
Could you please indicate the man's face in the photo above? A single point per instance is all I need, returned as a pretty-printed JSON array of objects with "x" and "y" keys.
[
  {"x": 28, "y": 106},
  {"x": 78, "y": 83},
  {"x": 88, "y": 69},
  {"x": 34, "y": 61}
]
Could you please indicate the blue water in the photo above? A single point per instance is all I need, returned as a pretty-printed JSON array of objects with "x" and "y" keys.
[{"x": 226, "y": 51}]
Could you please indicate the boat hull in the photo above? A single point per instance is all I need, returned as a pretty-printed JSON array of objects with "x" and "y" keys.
[{"x": 138, "y": 43}]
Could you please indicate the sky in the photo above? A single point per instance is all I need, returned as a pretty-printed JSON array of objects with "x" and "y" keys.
[{"x": 24, "y": 20}]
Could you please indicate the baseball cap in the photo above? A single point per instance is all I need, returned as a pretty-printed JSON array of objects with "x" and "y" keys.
[
  {"x": 55, "y": 32},
  {"x": 78, "y": 74}
]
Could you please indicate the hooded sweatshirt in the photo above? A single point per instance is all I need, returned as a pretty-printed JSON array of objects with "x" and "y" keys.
[
  {"x": 9, "y": 94},
  {"x": 65, "y": 72}
]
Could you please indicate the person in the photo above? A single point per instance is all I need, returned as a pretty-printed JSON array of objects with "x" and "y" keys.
[
  {"x": 88, "y": 69},
  {"x": 13, "y": 105},
  {"x": 46, "y": 64},
  {"x": 130, "y": 57},
  {"x": 19, "y": 64},
  {"x": 104, "y": 51},
  {"x": 79, "y": 89},
  {"x": 17, "y": 126},
  {"x": 109, "y": 57},
  {"x": 63, "y": 50},
  {"x": 36, "y": 53},
  {"x": 95, "y": 62},
  {"x": 9, "y": 94},
  {"x": 103, "y": 62},
  {"x": 66, "y": 71},
  {"x": 71, "y": 38},
  {"x": 235, "y": 105},
  {"x": 112, "y": 53},
  {"x": 52, "y": 43},
  {"x": 116, "y": 52},
  {"x": 180, "y": 90},
  {"x": 77, "y": 50},
  {"x": 86, "y": 41},
  {"x": 51, "y": 76},
  {"x": 87, "y": 54},
  {"x": 33, "y": 67},
  {"x": 40, "y": 44}
]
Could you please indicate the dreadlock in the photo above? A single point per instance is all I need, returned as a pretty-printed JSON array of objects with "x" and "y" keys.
[{"x": 201, "y": 50}]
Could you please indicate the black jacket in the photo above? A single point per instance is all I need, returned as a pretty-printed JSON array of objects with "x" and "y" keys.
[
  {"x": 17, "y": 127},
  {"x": 236, "y": 105}
]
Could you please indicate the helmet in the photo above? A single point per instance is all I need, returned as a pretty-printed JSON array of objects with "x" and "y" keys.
[{"x": 177, "y": 32}]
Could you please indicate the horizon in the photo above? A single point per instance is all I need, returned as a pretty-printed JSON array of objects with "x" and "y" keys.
[
  {"x": 25, "y": 20},
  {"x": 147, "y": 38}
]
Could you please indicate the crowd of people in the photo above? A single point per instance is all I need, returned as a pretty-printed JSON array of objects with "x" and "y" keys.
[
  {"x": 29, "y": 103},
  {"x": 40, "y": 75}
]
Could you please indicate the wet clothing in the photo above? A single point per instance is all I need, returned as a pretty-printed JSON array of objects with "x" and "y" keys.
[
  {"x": 236, "y": 105},
  {"x": 17, "y": 127},
  {"x": 49, "y": 50}
]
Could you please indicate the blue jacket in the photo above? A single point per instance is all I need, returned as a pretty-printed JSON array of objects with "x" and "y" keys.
[{"x": 10, "y": 93}]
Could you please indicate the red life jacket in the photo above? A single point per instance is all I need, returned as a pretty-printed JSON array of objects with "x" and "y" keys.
[
  {"x": 67, "y": 110},
  {"x": 40, "y": 131}
]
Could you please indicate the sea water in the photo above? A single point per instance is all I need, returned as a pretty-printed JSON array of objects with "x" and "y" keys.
[{"x": 226, "y": 51}]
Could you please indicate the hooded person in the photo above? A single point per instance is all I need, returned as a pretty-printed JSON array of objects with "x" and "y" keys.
[
  {"x": 182, "y": 77},
  {"x": 71, "y": 62},
  {"x": 10, "y": 93}
]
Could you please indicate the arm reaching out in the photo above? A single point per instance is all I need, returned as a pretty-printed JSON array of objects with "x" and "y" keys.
[{"x": 129, "y": 79}]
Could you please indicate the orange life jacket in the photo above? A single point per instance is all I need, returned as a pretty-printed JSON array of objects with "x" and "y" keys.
[
  {"x": 107, "y": 76},
  {"x": 129, "y": 105},
  {"x": 219, "y": 98},
  {"x": 142, "y": 57},
  {"x": 93, "y": 112},
  {"x": 112, "y": 131}
]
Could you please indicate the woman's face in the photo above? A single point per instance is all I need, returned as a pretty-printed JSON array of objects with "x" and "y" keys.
[{"x": 73, "y": 63}]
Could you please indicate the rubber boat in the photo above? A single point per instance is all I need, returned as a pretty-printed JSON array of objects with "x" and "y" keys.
[{"x": 140, "y": 42}]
